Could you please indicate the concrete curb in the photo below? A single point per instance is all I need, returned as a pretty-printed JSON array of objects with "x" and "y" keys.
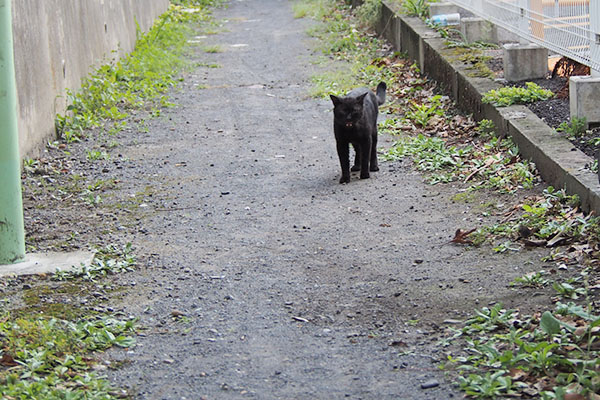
[
  {"x": 559, "y": 163},
  {"x": 47, "y": 263}
]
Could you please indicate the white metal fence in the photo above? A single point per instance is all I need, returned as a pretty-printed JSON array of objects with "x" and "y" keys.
[{"x": 568, "y": 27}]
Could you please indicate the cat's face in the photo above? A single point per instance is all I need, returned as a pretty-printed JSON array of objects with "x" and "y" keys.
[{"x": 347, "y": 110}]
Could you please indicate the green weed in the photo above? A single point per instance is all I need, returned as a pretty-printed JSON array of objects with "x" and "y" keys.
[
  {"x": 316, "y": 9},
  {"x": 107, "y": 261},
  {"x": 495, "y": 163},
  {"x": 416, "y": 8},
  {"x": 533, "y": 279},
  {"x": 507, "y": 96},
  {"x": 340, "y": 40},
  {"x": 134, "y": 82},
  {"x": 574, "y": 128},
  {"x": 213, "y": 49},
  {"x": 368, "y": 13},
  {"x": 486, "y": 128},
  {"x": 421, "y": 114},
  {"x": 543, "y": 356},
  {"x": 48, "y": 356},
  {"x": 94, "y": 155}
]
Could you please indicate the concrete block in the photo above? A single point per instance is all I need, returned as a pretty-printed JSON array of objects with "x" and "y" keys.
[
  {"x": 477, "y": 29},
  {"x": 584, "y": 96},
  {"x": 443, "y": 8},
  {"x": 523, "y": 62}
]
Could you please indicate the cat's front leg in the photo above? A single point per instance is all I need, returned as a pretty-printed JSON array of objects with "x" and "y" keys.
[
  {"x": 344, "y": 156},
  {"x": 365, "y": 150}
]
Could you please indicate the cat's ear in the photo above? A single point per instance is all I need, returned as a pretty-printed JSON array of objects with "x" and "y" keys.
[
  {"x": 336, "y": 100},
  {"x": 361, "y": 98}
]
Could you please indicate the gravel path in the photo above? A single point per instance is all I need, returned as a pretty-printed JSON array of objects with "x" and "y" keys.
[{"x": 264, "y": 278}]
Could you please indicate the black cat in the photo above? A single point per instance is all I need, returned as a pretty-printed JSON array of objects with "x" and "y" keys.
[{"x": 355, "y": 122}]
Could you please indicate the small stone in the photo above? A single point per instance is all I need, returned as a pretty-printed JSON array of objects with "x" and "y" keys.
[{"x": 430, "y": 384}]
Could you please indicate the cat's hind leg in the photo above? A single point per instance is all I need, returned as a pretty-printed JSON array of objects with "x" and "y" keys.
[
  {"x": 356, "y": 166},
  {"x": 374, "y": 165},
  {"x": 365, "y": 149}
]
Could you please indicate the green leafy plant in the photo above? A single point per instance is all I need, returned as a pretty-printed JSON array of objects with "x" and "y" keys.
[
  {"x": 133, "y": 82},
  {"x": 568, "y": 290},
  {"x": 486, "y": 128},
  {"x": 574, "y": 128},
  {"x": 421, "y": 114},
  {"x": 213, "y": 49},
  {"x": 516, "y": 95},
  {"x": 107, "y": 261},
  {"x": 488, "y": 385},
  {"x": 515, "y": 356},
  {"x": 496, "y": 162},
  {"x": 416, "y": 8},
  {"x": 532, "y": 279},
  {"x": 94, "y": 155}
]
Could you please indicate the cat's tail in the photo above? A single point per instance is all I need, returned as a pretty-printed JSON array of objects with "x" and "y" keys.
[{"x": 381, "y": 92}]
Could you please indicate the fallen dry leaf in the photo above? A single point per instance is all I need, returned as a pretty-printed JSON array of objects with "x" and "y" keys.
[
  {"x": 574, "y": 396},
  {"x": 534, "y": 243},
  {"x": 460, "y": 236},
  {"x": 8, "y": 361}
]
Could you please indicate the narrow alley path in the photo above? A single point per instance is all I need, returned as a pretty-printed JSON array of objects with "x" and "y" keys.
[{"x": 291, "y": 285}]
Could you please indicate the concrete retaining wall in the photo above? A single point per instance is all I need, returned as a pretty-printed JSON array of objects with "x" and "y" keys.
[
  {"x": 57, "y": 43},
  {"x": 560, "y": 164}
]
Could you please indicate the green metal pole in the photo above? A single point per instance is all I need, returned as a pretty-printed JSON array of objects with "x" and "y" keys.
[{"x": 12, "y": 233}]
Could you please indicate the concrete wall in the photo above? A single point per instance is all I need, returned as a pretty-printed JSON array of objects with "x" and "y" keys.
[{"x": 57, "y": 43}]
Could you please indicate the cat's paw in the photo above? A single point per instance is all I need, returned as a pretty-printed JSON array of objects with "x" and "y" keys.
[
  {"x": 374, "y": 168},
  {"x": 345, "y": 179},
  {"x": 355, "y": 168},
  {"x": 364, "y": 176}
]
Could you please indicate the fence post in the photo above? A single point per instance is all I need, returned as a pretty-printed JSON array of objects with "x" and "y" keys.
[
  {"x": 523, "y": 25},
  {"x": 595, "y": 36},
  {"x": 12, "y": 236}
]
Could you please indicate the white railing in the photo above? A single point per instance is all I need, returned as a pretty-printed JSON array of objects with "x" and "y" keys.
[{"x": 568, "y": 27}]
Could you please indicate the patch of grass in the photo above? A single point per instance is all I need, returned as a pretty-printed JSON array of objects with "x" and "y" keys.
[
  {"x": 210, "y": 65},
  {"x": 416, "y": 8},
  {"x": 368, "y": 12},
  {"x": 49, "y": 357},
  {"x": 536, "y": 279},
  {"x": 95, "y": 155},
  {"x": 421, "y": 114},
  {"x": 108, "y": 260},
  {"x": 495, "y": 163},
  {"x": 136, "y": 81},
  {"x": 509, "y": 95},
  {"x": 542, "y": 356},
  {"x": 341, "y": 40},
  {"x": 213, "y": 49},
  {"x": 464, "y": 197},
  {"x": 332, "y": 82},
  {"x": 316, "y": 9},
  {"x": 486, "y": 128}
]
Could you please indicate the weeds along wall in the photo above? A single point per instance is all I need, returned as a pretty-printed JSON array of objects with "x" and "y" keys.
[{"x": 57, "y": 43}]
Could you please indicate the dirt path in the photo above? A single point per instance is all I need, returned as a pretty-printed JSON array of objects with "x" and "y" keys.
[{"x": 291, "y": 285}]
